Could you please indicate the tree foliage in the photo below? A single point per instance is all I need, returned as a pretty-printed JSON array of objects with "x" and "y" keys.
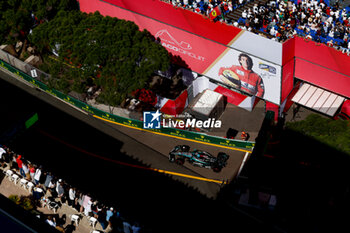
[
  {"x": 335, "y": 133},
  {"x": 18, "y": 17},
  {"x": 114, "y": 52}
]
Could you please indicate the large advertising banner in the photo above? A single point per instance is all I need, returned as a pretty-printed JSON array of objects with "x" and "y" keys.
[{"x": 248, "y": 74}]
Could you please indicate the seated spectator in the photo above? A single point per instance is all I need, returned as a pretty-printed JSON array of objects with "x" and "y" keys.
[
  {"x": 51, "y": 221},
  {"x": 330, "y": 43},
  {"x": 38, "y": 193},
  {"x": 70, "y": 228}
]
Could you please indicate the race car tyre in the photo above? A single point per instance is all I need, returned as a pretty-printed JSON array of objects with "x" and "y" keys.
[
  {"x": 171, "y": 158},
  {"x": 223, "y": 156},
  {"x": 185, "y": 148},
  {"x": 180, "y": 161}
]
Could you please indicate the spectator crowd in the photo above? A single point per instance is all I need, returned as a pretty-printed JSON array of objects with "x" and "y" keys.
[
  {"x": 311, "y": 19},
  {"x": 206, "y": 7},
  {"x": 49, "y": 189},
  {"x": 279, "y": 20}
]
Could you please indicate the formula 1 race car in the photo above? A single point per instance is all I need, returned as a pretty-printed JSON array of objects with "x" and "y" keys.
[{"x": 198, "y": 158}]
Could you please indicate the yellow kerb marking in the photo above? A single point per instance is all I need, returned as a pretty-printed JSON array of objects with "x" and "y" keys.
[{"x": 167, "y": 135}]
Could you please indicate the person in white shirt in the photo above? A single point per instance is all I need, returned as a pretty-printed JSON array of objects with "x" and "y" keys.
[
  {"x": 2, "y": 151},
  {"x": 51, "y": 221},
  {"x": 2, "y": 159},
  {"x": 26, "y": 170},
  {"x": 37, "y": 175},
  {"x": 256, "y": 9},
  {"x": 71, "y": 198},
  {"x": 244, "y": 14},
  {"x": 272, "y": 31}
]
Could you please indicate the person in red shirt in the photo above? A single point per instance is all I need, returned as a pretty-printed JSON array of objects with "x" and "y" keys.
[
  {"x": 243, "y": 77},
  {"x": 20, "y": 165}
]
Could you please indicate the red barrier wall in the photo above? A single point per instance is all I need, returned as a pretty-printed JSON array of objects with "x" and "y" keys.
[
  {"x": 165, "y": 12},
  {"x": 322, "y": 55},
  {"x": 287, "y": 79},
  {"x": 322, "y": 77},
  {"x": 317, "y": 64},
  {"x": 288, "y": 49}
]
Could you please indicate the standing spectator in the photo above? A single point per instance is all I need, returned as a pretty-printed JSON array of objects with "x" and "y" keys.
[
  {"x": 37, "y": 175},
  {"x": 80, "y": 202},
  {"x": 43, "y": 176},
  {"x": 26, "y": 170},
  {"x": 51, "y": 188},
  {"x": 71, "y": 196},
  {"x": 32, "y": 171},
  {"x": 47, "y": 180},
  {"x": 13, "y": 162},
  {"x": 95, "y": 209},
  {"x": 19, "y": 164},
  {"x": 2, "y": 156},
  {"x": 87, "y": 207},
  {"x": 7, "y": 156},
  {"x": 101, "y": 217},
  {"x": 59, "y": 190},
  {"x": 109, "y": 214}
]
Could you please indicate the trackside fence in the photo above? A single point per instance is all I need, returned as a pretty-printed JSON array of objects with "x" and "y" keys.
[{"x": 23, "y": 71}]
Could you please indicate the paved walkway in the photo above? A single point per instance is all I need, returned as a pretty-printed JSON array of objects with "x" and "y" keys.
[{"x": 8, "y": 188}]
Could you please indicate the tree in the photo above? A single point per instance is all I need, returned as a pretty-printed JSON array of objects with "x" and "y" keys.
[
  {"x": 18, "y": 17},
  {"x": 115, "y": 53}
]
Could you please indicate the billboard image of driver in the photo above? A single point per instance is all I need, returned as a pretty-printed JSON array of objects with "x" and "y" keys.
[{"x": 243, "y": 77}]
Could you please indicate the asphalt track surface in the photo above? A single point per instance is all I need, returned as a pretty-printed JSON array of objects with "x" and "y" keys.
[
  {"x": 152, "y": 149},
  {"x": 159, "y": 201}
]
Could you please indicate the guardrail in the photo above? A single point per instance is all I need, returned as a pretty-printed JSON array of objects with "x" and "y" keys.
[{"x": 125, "y": 121}]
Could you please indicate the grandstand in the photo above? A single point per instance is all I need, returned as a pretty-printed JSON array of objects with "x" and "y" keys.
[{"x": 207, "y": 44}]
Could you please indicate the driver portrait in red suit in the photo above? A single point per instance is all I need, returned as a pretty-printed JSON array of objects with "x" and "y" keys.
[{"x": 243, "y": 77}]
